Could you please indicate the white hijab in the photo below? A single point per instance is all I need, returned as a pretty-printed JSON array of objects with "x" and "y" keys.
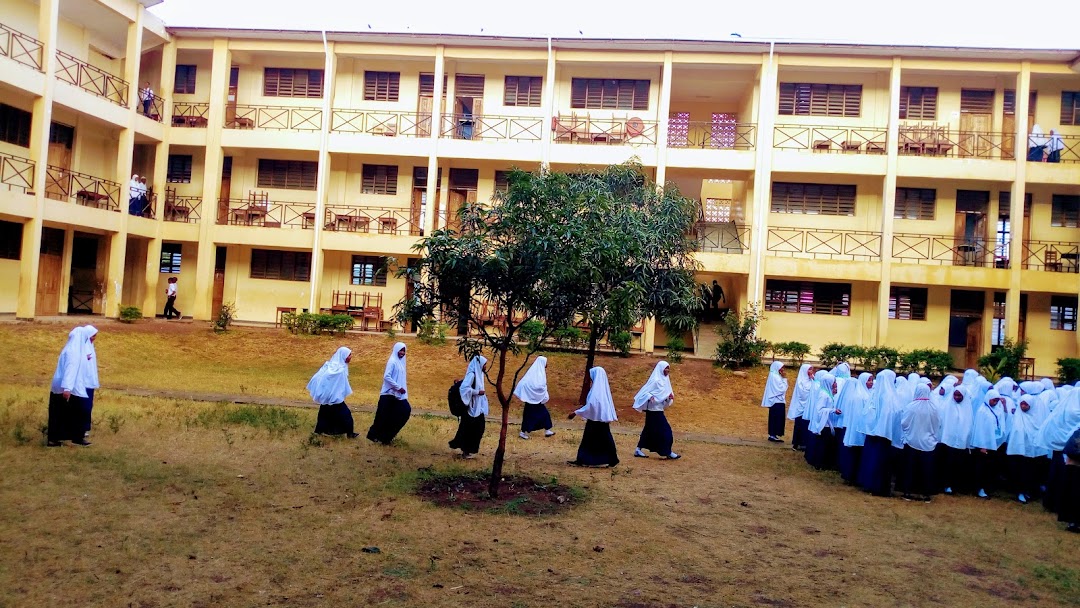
[
  {"x": 1037, "y": 138},
  {"x": 824, "y": 402},
  {"x": 885, "y": 411},
  {"x": 87, "y": 377},
  {"x": 67, "y": 365},
  {"x": 956, "y": 420},
  {"x": 1060, "y": 424},
  {"x": 533, "y": 385},
  {"x": 394, "y": 375},
  {"x": 852, "y": 405},
  {"x": 921, "y": 421},
  {"x": 1023, "y": 431},
  {"x": 598, "y": 404},
  {"x": 775, "y": 386},
  {"x": 330, "y": 385},
  {"x": 472, "y": 385},
  {"x": 656, "y": 390},
  {"x": 800, "y": 394},
  {"x": 988, "y": 431}
]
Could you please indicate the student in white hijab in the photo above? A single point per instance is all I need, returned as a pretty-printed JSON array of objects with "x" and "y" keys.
[
  {"x": 60, "y": 392},
  {"x": 329, "y": 387},
  {"x": 800, "y": 402},
  {"x": 1024, "y": 455},
  {"x": 941, "y": 394},
  {"x": 852, "y": 403},
  {"x": 821, "y": 443},
  {"x": 987, "y": 437},
  {"x": 471, "y": 426},
  {"x": 533, "y": 392},
  {"x": 921, "y": 423},
  {"x": 86, "y": 382},
  {"x": 954, "y": 439},
  {"x": 394, "y": 409},
  {"x": 1037, "y": 143},
  {"x": 1052, "y": 436},
  {"x": 876, "y": 461},
  {"x": 597, "y": 446},
  {"x": 134, "y": 195},
  {"x": 775, "y": 398},
  {"x": 653, "y": 398}
]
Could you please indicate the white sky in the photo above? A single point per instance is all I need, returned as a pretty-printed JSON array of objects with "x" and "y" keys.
[{"x": 978, "y": 23}]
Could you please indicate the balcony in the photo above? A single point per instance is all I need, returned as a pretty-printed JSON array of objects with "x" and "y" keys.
[
  {"x": 21, "y": 48},
  {"x": 257, "y": 210},
  {"x": 712, "y": 136},
  {"x": 91, "y": 79},
  {"x": 151, "y": 108},
  {"x": 726, "y": 237},
  {"x": 380, "y": 220},
  {"x": 576, "y": 129},
  {"x": 935, "y": 140},
  {"x": 1070, "y": 153},
  {"x": 16, "y": 172},
  {"x": 82, "y": 188},
  {"x": 851, "y": 140},
  {"x": 1052, "y": 256},
  {"x": 273, "y": 118},
  {"x": 949, "y": 251},
  {"x": 387, "y": 124},
  {"x": 491, "y": 128},
  {"x": 182, "y": 209},
  {"x": 824, "y": 244},
  {"x": 192, "y": 115}
]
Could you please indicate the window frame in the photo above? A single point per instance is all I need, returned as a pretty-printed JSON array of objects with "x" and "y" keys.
[
  {"x": 917, "y": 199},
  {"x": 171, "y": 258},
  {"x": 916, "y": 303},
  {"x": 382, "y": 85},
  {"x": 1060, "y": 217},
  {"x": 1070, "y": 108},
  {"x": 188, "y": 83},
  {"x": 515, "y": 98},
  {"x": 796, "y": 198},
  {"x": 820, "y": 99},
  {"x": 286, "y": 82},
  {"x": 808, "y": 297},
  {"x": 11, "y": 236},
  {"x": 1063, "y": 313},
  {"x": 379, "y": 179},
  {"x": 372, "y": 270},
  {"x": 927, "y": 106},
  {"x": 610, "y": 94},
  {"x": 15, "y": 125},
  {"x": 286, "y": 174},
  {"x": 180, "y": 174},
  {"x": 280, "y": 265}
]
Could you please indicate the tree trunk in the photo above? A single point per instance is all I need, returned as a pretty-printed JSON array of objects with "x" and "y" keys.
[
  {"x": 500, "y": 452},
  {"x": 590, "y": 358}
]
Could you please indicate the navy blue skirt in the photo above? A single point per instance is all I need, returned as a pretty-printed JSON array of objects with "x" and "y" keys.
[
  {"x": 60, "y": 417},
  {"x": 1055, "y": 482},
  {"x": 535, "y": 417},
  {"x": 390, "y": 416},
  {"x": 847, "y": 458},
  {"x": 656, "y": 436},
  {"x": 469, "y": 433},
  {"x": 875, "y": 466},
  {"x": 776, "y": 420},
  {"x": 821, "y": 449},
  {"x": 334, "y": 419},
  {"x": 597, "y": 446},
  {"x": 799, "y": 433}
]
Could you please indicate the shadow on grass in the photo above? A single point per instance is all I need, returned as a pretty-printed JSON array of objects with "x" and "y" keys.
[{"x": 467, "y": 490}]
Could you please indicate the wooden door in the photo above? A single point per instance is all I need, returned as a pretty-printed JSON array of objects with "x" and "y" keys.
[
  {"x": 230, "y": 101},
  {"x": 58, "y": 184},
  {"x": 457, "y": 201},
  {"x": 477, "y": 114},
  {"x": 219, "y": 281},
  {"x": 973, "y": 345},
  {"x": 974, "y": 133},
  {"x": 1008, "y": 136},
  {"x": 50, "y": 270},
  {"x": 416, "y": 212},
  {"x": 423, "y": 116},
  {"x": 225, "y": 190}
]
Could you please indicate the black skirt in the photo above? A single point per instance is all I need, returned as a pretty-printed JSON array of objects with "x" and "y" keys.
[
  {"x": 847, "y": 458},
  {"x": 390, "y": 416},
  {"x": 875, "y": 466},
  {"x": 597, "y": 446},
  {"x": 776, "y": 420},
  {"x": 82, "y": 408},
  {"x": 334, "y": 420},
  {"x": 535, "y": 417},
  {"x": 470, "y": 431},
  {"x": 1069, "y": 499},
  {"x": 821, "y": 449},
  {"x": 1055, "y": 482},
  {"x": 60, "y": 417},
  {"x": 656, "y": 436},
  {"x": 953, "y": 468},
  {"x": 799, "y": 432},
  {"x": 919, "y": 472}
]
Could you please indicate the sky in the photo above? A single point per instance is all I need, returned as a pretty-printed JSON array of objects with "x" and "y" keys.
[{"x": 953, "y": 23}]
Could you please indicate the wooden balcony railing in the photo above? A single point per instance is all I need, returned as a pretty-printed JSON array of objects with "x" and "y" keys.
[
  {"x": 377, "y": 220},
  {"x": 1052, "y": 256},
  {"x": 705, "y": 134},
  {"x": 950, "y": 251},
  {"x": 265, "y": 213},
  {"x": 145, "y": 209},
  {"x": 91, "y": 79},
  {"x": 492, "y": 128},
  {"x": 275, "y": 118},
  {"x": 1070, "y": 153},
  {"x": 16, "y": 172},
  {"x": 934, "y": 140},
  {"x": 190, "y": 114},
  {"x": 722, "y": 237},
  {"x": 152, "y": 110},
  {"x": 184, "y": 209},
  {"x": 66, "y": 185},
  {"x": 822, "y": 244},
  {"x": 19, "y": 47},
  {"x": 387, "y": 124},
  {"x": 854, "y": 140},
  {"x": 576, "y": 129}
]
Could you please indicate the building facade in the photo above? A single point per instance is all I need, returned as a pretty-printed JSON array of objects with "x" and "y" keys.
[{"x": 903, "y": 196}]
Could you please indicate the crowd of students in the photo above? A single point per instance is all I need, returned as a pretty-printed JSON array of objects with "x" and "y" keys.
[{"x": 889, "y": 433}]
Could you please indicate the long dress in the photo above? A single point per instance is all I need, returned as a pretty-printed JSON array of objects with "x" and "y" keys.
[
  {"x": 656, "y": 436},
  {"x": 535, "y": 417},
  {"x": 469, "y": 433},
  {"x": 597, "y": 446},
  {"x": 334, "y": 419},
  {"x": 471, "y": 426},
  {"x": 394, "y": 409}
]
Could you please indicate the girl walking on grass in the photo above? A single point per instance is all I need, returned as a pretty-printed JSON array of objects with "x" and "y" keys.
[
  {"x": 533, "y": 392},
  {"x": 394, "y": 409},
  {"x": 329, "y": 387},
  {"x": 471, "y": 426},
  {"x": 653, "y": 399},
  {"x": 597, "y": 445}
]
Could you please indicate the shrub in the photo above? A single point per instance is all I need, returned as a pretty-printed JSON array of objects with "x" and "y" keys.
[
  {"x": 1068, "y": 370},
  {"x": 739, "y": 345},
  {"x": 675, "y": 346},
  {"x": 832, "y": 354},
  {"x": 432, "y": 332},
  {"x": 225, "y": 316},
  {"x": 130, "y": 314},
  {"x": 1005, "y": 360},
  {"x": 620, "y": 341},
  {"x": 570, "y": 337},
  {"x": 315, "y": 324},
  {"x": 531, "y": 332},
  {"x": 794, "y": 351}
]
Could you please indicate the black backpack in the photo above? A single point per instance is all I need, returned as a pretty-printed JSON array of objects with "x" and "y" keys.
[{"x": 457, "y": 406}]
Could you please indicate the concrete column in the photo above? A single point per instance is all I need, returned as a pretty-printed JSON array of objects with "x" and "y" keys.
[
  {"x": 436, "y": 196},
  {"x": 161, "y": 153},
  {"x": 1016, "y": 204},
  {"x": 549, "y": 108},
  {"x": 133, "y": 58},
  {"x": 114, "y": 275},
  {"x": 888, "y": 203},
  {"x": 65, "y": 268},
  {"x": 204, "y": 268},
  {"x": 766, "y": 119},
  {"x": 662, "y": 125},
  {"x": 648, "y": 335},
  {"x": 151, "y": 274},
  {"x": 322, "y": 181}
]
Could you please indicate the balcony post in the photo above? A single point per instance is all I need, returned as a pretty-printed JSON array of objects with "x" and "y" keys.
[
  {"x": 322, "y": 180},
  {"x": 888, "y": 200},
  {"x": 152, "y": 274},
  {"x": 432, "y": 191},
  {"x": 662, "y": 122},
  {"x": 759, "y": 226},
  {"x": 548, "y": 102},
  {"x": 206, "y": 257},
  {"x": 133, "y": 58},
  {"x": 1016, "y": 203}
]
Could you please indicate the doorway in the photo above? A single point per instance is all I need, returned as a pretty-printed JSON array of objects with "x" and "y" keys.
[
  {"x": 966, "y": 326},
  {"x": 976, "y": 122},
  {"x": 58, "y": 177},
  {"x": 972, "y": 207},
  {"x": 463, "y": 186},
  {"x": 230, "y": 101},
  {"x": 50, "y": 272},
  {"x": 1003, "y": 229},
  {"x": 426, "y": 102},
  {"x": 468, "y": 105},
  {"x": 219, "y": 281},
  {"x": 418, "y": 209},
  {"x": 1008, "y": 122},
  {"x": 225, "y": 190},
  {"x": 86, "y": 287}
]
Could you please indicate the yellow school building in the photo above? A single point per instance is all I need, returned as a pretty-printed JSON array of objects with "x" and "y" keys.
[{"x": 913, "y": 197}]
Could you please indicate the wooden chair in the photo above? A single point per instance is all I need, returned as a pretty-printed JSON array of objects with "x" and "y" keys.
[
  {"x": 851, "y": 146},
  {"x": 1052, "y": 261},
  {"x": 1027, "y": 368}
]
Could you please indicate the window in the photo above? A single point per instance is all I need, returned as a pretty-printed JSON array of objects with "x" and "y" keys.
[
  {"x": 813, "y": 199},
  {"x": 427, "y": 85},
  {"x": 907, "y": 303},
  {"x": 291, "y": 82},
  {"x": 466, "y": 85},
  {"x": 808, "y": 298},
  {"x": 185, "y": 80},
  {"x": 464, "y": 179},
  {"x": 678, "y": 131},
  {"x": 977, "y": 101},
  {"x": 380, "y": 179},
  {"x": 288, "y": 174},
  {"x": 915, "y": 203},
  {"x": 11, "y": 240},
  {"x": 62, "y": 134},
  {"x": 170, "y": 258},
  {"x": 368, "y": 270},
  {"x": 179, "y": 171},
  {"x": 52, "y": 241},
  {"x": 804, "y": 99},
  {"x": 1063, "y": 313},
  {"x": 523, "y": 91},
  {"x": 723, "y": 133},
  {"x": 609, "y": 94},
  {"x": 502, "y": 183},
  {"x": 381, "y": 86},
  {"x": 1070, "y": 108},
  {"x": 15, "y": 125},
  {"x": 1010, "y": 103},
  {"x": 1065, "y": 211},
  {"x": 918, "y": 103},
  {"x": 281, "y": 265}
]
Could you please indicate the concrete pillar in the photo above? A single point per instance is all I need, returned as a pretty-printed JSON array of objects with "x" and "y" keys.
[
  {"x": 766, "y": 119},
  {"x": 133, "y": 58},
  {"x": 1016, "y": 204},
  {"x": 431, "y": 223},
  {"x": 662, "y": 124},
  {"x": 322, "y": 181},
  {"x": 151, "y": 274},
  {"x": 648, "y": 334},
  {"x": 65, "y": 268},
  {"x": 204, "y": 267},
  {"x": 549, "y": 108},
  {"x": 888, "y": 204}
]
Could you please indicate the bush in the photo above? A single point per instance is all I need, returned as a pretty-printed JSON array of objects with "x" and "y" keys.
[
  {"x": 130, "y": 314},
  {"x": 739, "y": 345},
  {"x": 315, "y": 324},
  {"x": 432, "y": 332},
  {"x": 794, "y": 351},
  {"x": 225, "y": 316},
  {"x": 675, "y": 346},
  {"x": 1068, "y": 370},
  {"x": 531, "y": 332},
  {"x": 1005, "y": 361},
  {"x": 570, "y": 337},
  {"x": 834, "y": 353},
  {"x": 620, "y": 341}
]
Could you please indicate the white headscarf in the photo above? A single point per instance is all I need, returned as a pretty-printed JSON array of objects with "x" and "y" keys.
[
  {"x": 823, "y": 409},
  {"x": 801, "y": 393},
  {"x": 598, "y": 404},
  {"x": 330, "y": 385},
  {"x": 842, "y": 371},
  {"x": 988, "y": 431},
  {"x": 1023, "y": 431},
  {"x": 87, "y": 377},
  {"x": 472, "y": 385},
  {"x": 1037, "y": 138},
  {"x": 884, "y": 418},
  {"x": 921, "y": 421},
  {"x": 939, "y": 400},
  {"x": 533, "y": 386},
  {"x": 1060, "y": 424},
  {"x": 654, "y": 394},
  {"x": 775, "y": 386},
  {"x": 1055, "y": 143},
  {"x": 394, "y": 376},
  {"x": 67, "y": 365},
  {"x": 956, "y": 420},
  {"x": 852, "y": 405}
]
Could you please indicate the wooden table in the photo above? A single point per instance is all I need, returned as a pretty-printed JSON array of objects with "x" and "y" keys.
[
  {"x": 92, "y": 199},
  {"x": 249, "y": 215},
  {"x": 177, "y": 213}
]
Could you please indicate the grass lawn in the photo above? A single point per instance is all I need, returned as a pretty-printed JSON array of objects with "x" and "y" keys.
[{"x": 182, "y": 503}]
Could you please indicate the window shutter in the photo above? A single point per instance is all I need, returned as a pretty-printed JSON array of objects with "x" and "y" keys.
[
  {"x": 976, "y": 101},
  {"x": 1065, "y": 211},
  {"x": 464, "y": 179},
  {"x": 972, "y": 201},
  {"x": 1070, "y": 108},
  {"x": 915, "y": 203},
  {"x": 468, "y": 86}
]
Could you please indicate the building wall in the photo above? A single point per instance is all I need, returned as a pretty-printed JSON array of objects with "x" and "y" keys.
[{"x": 9, "y": 285}]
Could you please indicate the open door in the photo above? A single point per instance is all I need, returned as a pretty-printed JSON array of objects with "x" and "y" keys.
[
  {"x": 230, "y": 101},
  {"x": 965, "y": 326},
  {"x": 976, "y": 122},
  {"x": 468, "y": 104},
  {"x": 225, "y": 190},
  {"x": 425, "y": 103},
  {"x": 1008, "y": 123},
  {"x": 972, "y": 207},
  {"x": 219, "y": 281},
  {"x": 973, "y": 344},
  {"x": 50, "y": 272},
  {"x": 58, "y": 179}
]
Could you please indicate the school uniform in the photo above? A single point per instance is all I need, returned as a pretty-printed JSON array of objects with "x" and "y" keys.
[
  {"x": 393, "y": 410},
  {"x": 775, "y": 398},
  {"x": 597, "y": 446},
  {"x": 329, "y": 387},
  {"x": 471, "y": 425}
]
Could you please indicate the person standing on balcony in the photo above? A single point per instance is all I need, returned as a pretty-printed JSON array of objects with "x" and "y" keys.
[
  {"x": 533, "y": 392},
  {"x": 1037, "y": 145},
  {"x": 471, "y": 426},
  {"x": 133, "y": 195},
  {"x": 775, "y": 398},
  {"x": 1054, "y": 147},
  {"x": 144, "y": 197},
  {"x": 652, "y": 399},
  {"x": 329, "y": 387},
  {"x": 170, "y": 300},
  {"x": 394, "y": 409},
  {"x": 147, "y": 97}
]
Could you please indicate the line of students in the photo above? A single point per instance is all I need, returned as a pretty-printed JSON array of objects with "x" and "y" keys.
[
  {"x": 887, "y": 432},
  {"x": 71, "y": 395}
]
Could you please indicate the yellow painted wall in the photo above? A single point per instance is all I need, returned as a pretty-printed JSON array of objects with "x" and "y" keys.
[
  {"x": 567, "y": 72},
  {"x": 257, "y": 299},
  {"x": 9, "y": 285},
  {"x": 198, "y": 168},
  {"x": 22, "y": 16},
  {"x": 202, "y": 62},
  {"x": 249, "y": 89},
  {"x": 875, "y": 97},
  {"x": 1044, "y": 344},
  {"x": 931, "y": 333},
  {"x": 245, "y": 174},
  {"x": 337, "y": 276},
  {"x": 185, "y": 282},
  {"x": 134, "y": 270},
  {"x": 818, "y": 330},
  {"x": 867, "y": 204},
  {"x": 1041, "y": 207}
]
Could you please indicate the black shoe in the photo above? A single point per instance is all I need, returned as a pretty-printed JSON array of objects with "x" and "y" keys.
[
  {"x": 775, "y": 440},
  {"x": 1075, "y": 528},
  {"x": 352, "y": 435},
  {"x": 54, "y": 444}
]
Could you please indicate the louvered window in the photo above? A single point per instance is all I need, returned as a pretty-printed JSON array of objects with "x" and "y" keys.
[
  {"x": 464, "y": 179},
  {"x": 280, "y": 265},
  {"x": 806, "y": 99},
  {"x": 380, "y": 179},
  {"x": 170, "y": 258},
  {"x": 419, "y": 177},
  {"x": 287, "y": 174},
  {"x": 972, "y": 201},
  {"x": 179, "y": 169},
  {"x": 185, "y": 80},
  {"x": 806, "y": 297},
  {"x": 1065, "y": 211},
  {"x": 427, "y": 85},
  {"x": 468, "y": 86},
  {"x": 502, "y": 183},
  {"x": 918, "y": 103},
  {"x": 907, "y": 303},
  {"x": 368, "y": 270},
  {"x": 976, "y": 101},
  {"x": 1070, "y": 108},
  {"x": 1063, "y": 313},
  {"x": 52, "y": 241},
  {"x": 1009, "y": 99},
  {"x": 609, "y": 94},
  {"x": 292, "y": 82},
  {"x": 381, "y": 86},
  {"x": 813, "y": 199},
  {"x": 523, "y": 91},
  {"x": 915, "y": 203},
  {"x": 15, "y": 126},
  {"x": 10, "y": 240}
]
